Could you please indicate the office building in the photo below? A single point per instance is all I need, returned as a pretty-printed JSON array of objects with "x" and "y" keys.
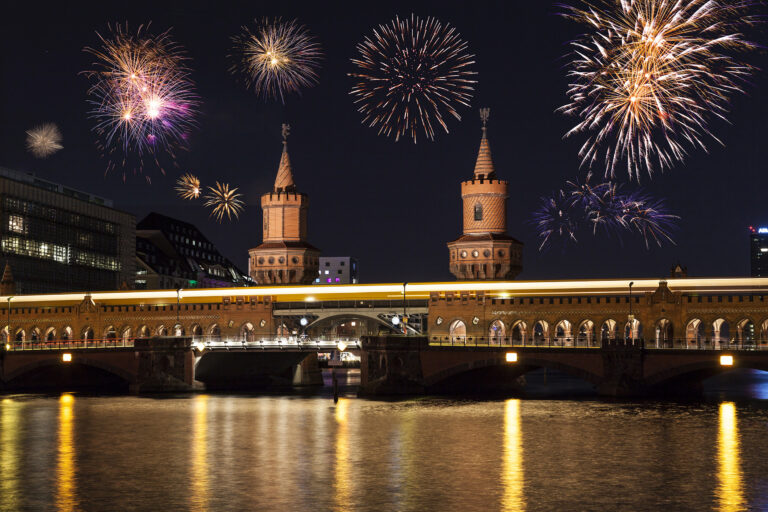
[
  {"x": 337, "y": 270},
  {"x": 758, "y": 251}
]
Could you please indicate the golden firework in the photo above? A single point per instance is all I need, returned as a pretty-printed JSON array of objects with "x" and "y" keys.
[
  {"x": 188, "y": 186},
  {"x": 44, "y": 140},
  {"x": 650, "y": 75},
  {"x": 224, "y": 200}
]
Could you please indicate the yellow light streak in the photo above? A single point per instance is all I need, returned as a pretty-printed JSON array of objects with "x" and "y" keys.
[
  {"x": 512, "y": 464},
  {"x": 10, "y": 453},
  {"x": 415, "y": 290},
  {"x": 66, "y": 497},
  {"x": 730, "y": 489},
  {"x": 342, "y": 475},
  {"x": 200, "y": 481}
]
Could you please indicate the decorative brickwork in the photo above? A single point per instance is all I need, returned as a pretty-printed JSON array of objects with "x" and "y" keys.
[{"x": 485, "y": 251}]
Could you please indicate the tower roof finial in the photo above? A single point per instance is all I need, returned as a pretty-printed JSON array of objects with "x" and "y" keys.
[
  {"x": 284, "y": 180},
  {"x": 484, "y": 165}
]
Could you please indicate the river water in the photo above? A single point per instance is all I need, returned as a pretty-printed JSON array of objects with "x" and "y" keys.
[{"x": 301, "y": 452}]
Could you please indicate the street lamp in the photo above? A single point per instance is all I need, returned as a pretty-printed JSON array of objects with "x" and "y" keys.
[
  {"x": 8, "y": 341},
  {"x": 178, "y": 304},
  {"x": 405, "y": 313}
]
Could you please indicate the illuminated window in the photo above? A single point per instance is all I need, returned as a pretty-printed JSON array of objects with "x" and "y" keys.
[{"x": 16, "y": 224}]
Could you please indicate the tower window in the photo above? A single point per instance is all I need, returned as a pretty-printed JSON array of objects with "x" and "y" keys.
[{"x": 478, "y": 211}]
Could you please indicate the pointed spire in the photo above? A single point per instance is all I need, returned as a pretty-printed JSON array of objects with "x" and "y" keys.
[
  {"x": 484, "y": 165},
  {"x": 284, "y": 180}
]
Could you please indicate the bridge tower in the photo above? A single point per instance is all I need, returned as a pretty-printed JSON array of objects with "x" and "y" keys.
[
  {"x": 485, "y": 251},
  {"x": 284, "y": 256}
]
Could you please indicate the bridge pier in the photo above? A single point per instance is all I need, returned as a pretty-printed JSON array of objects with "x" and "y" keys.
[{"x": 622, "y": 369}]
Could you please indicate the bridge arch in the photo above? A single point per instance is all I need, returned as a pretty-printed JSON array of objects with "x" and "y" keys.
[
  {"x": 664, "y": 331},
  {"x": 721, "y": 331},
  {"x": 497, "y": 331},
  {"x": 633, "y": 329},
  {"x": 586, "y": 332},
  {"x": 608, "y": 329},
  {"x": 457, "y": 330},
  {"x": 214, "y": 330},
  {"x": 125, "y": 332},
  {"x": 247, "y": 332},
  {"x": 698, "y": 371},
  {"x": 50, "y": 334},
  {"x": 563, "y": 330},
  {"x": 144, "y": 332},
  {"x": 178, "y": 330},
  {"x": 35, "y": 334},
  {"x": 519, "y": 331},
  {"x": 745, "y": 331},
  {"x": 110, "y": 333},
  {"x": 498, "y": 362},
  {"x": 53, "y": 360},
  {"x": 540, "y": 331},
  {"x": 161, "y": 330},
  {"x": 66, "y": 333},
  {"x": 695, "y": 331},
  {"x": 86, "y": 334},
  {"x": 196, "y": 330}
]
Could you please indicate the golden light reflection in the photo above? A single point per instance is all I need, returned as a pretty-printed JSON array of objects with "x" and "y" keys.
[
  {"x": 66, "y": 498},
  {"x": 200, "y": 481},
  {"x": 730, "y": 489},
  {"x": 10, "y": 416},
  {"x": 342, "y": 475},
  {"x": 512, "y": 464}
]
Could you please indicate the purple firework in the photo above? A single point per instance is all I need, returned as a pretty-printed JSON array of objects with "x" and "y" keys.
[{"x": 554, "y": 219}]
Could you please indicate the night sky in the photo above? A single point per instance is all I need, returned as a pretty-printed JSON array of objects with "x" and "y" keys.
[{"x": 391, "y": 205}]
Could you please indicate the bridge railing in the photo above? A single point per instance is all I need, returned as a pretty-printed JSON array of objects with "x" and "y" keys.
[
  {"x": 287, "y": 342},
  {"x": 589, "y": 342},
  {"x": 70, "y": 344}
]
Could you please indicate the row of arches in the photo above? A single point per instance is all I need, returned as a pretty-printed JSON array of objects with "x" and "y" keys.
[
  {"x": 111, "y": 332},
  {"x": 587, "y": 332}
]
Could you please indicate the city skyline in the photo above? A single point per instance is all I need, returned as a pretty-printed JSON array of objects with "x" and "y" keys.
[{"x": 391, "y": 205}]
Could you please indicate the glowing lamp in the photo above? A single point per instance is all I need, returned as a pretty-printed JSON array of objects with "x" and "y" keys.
[
  {"x": 303, "y": 321},
  {"x": 395, "y": 320},
  {"x": 511, "y": 357},
  {"x": 7, "y": 346},
  {"x": 341, "y": 346},
  {"x": 726, "y": 360},
  {"x": 200, "y": 346},
  {"x": 66, "y": 357}
]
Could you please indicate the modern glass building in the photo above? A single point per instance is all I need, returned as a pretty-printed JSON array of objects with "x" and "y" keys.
[
  {"x": 337, "y": 270},
  {"x": 758, "y": 251},
  {"x": 58, "y": 239},
  {"x": 175, "y": 254}
]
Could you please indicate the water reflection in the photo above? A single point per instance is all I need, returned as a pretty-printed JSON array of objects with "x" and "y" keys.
[
  {"x": 342, "y": 482},
  {"x": 66, "y": 499},
  {"x": 512, "y": 467},
  {"x": 200, "y": 483},
  {"x": 730, "y": 493},
  {"x": 10, "y": 414}
]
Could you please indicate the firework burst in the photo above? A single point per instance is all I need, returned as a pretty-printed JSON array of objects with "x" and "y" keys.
[
  {"x": 602, "y": 205},
  {"x": 44, "y": 140},
  {"x": 277, "y": 59},
  {"x": 188, "y": 186},
  {"x": 650, "y": 75},
  {"x": 142, "y": 97},
  {"x": 225, "y": 201},
  {"x": 412, "y": 75}
]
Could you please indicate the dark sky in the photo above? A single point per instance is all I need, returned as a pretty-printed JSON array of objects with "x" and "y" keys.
[{"x": 391, "y": 205}]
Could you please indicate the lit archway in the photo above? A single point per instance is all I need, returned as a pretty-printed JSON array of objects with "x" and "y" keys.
[
  {"x": 196, "y": 330},
  {"x": 496, "y": 332},
  {"x": 745, "y": 331},
  {"x": 215, "y": 332},
  {"x": 587, "y": 332},
  {"x": 721, "y": 332},
  {"x": 86, "y": 334},
  {"x": 50, "y": 334},
  {"x": 110, "y": 333},
  {"x": 66, "y": 333},
  {"x": 125, "y": 334},
  {"x": 664, "y": 332},
  {"x": 162, "y": 331},
  {"x": 633, "y": 330},
  {"x": 540, "y": 331},
  {"x": 519, "y": 331},
  {"x": 144, "y": 332},
  {"x": 247, "y": 332},
  {"x": 35, "y": 334},
  {"x": 694, "y": 331},
  {"x": 563, "y": 332},
  {"x": 20, "y": 335},
  {"x": 458, "y": 330},
  {"x": 178, "y": 330},
  {"x": 608, "y": 330}
]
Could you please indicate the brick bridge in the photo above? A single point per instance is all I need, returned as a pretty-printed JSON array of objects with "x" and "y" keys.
[{"x": 394, "y": 365}]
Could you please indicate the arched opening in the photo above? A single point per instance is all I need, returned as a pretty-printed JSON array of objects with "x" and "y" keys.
[
  {"x": 694, "y": 332},
  {"x": 664, "y": 333},
  {"x": 458, "y": 331},
  {"x": 540, "y": 332},
  {"x": 50, "y": 334},
  {"x": 4, "y": 334},
  {"x": 633, "y": 330},
  {"x": 162, "y": 331},
  {"x": 764, "y": 332},
  {"x": 178, "y": 330},
  {"x": 721, "y": 332},
  {"x": 215, "y": 332},
  {"x": 66, "y": 333},
  {"x": 196, "y": 330},
  {"x": 745, "y": 331},
  {"x": 519, "y": 332},
  {"x": 125, "y": 334},
  {"x": 20, "y": 336},
  {"x": 283, "y": 332},
  {"x": 563, "y": 333},
  {"x": 247, "y": 333},
  {"x": 110, "y": 334},
  {"x": 144, "y": 332},
  {"x": 608, "y": 330},
  {"x": 35, "y": 335},
  {"x": 496, "y": 332},
  {"x": 586, "y": 333},
  {"x": 86, "y": 334}
]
